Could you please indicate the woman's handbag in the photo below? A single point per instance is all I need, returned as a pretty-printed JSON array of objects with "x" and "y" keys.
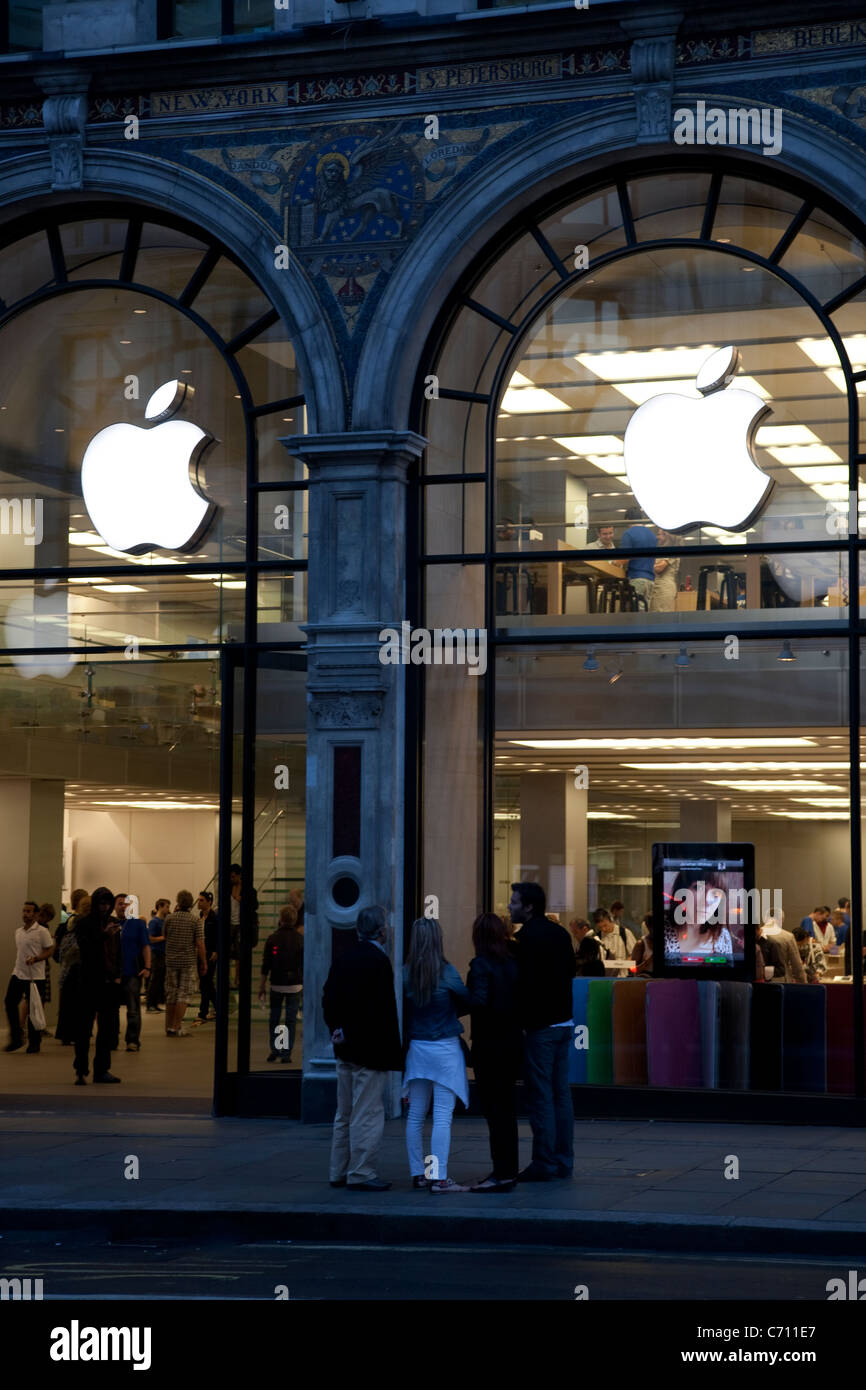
[{"x": 37, "y": 1013}]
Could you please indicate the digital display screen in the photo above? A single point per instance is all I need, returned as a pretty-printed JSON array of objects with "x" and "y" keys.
[{"x": 705, "y": 909}]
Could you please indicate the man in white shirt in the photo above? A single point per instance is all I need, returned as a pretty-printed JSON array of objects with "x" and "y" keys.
[
  {"x": 33, "y": 945},
  {"x": 604, "y": 541}
]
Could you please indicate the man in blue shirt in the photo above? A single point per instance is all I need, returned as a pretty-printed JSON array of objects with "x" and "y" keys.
[
  {"x": 156, "y": 936},
  {"x": 135, "y": 952},
  {"x": 640, "y": 572},
  {"x": 819, "y": 915}
]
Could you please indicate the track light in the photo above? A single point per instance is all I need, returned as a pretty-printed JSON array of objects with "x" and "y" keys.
[
  {"x": 592, "y": 663},
  {"x": 615, "y": 675},
  {"x": 683, "y": 659},
  {"x": 786, "y": 654}
]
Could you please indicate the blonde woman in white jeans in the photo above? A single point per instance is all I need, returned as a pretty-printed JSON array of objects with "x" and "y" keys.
[{"x": 434, "y": 996}]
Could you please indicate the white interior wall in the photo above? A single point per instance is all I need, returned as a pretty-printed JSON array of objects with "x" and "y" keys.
[{"x": 150, "y": 853}]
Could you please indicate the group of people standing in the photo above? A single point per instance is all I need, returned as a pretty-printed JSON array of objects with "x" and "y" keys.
[
  {"x": 107, "y": 956},
  {"x": 518, "y": 993},
  {"x": 654, "y": 579}
]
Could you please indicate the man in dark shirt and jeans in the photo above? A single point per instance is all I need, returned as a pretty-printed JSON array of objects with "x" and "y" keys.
[{"x": 545, "y": 961}]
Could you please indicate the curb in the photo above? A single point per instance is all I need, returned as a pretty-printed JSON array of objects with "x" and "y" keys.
[{"x": 629, "y": 1231}]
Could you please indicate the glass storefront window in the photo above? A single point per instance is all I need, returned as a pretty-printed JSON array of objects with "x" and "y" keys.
[
  {"x": 578, "y": 381},
  {"x": 596, "y": 752},
  {"x": 659, "y": 745}
]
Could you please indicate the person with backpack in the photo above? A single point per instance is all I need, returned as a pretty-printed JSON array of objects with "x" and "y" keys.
[
  {"x": 283, "y": 965},
  {"x": 617, "y": 942}
]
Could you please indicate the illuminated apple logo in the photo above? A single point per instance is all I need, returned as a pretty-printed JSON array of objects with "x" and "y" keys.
[
  {"x": 690, "y": 462},
  {"x": 144, "y": 488},
  {"x": 40, "y": 619}
]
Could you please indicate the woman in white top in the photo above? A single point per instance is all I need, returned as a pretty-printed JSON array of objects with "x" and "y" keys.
[{"x": 433, "y": 998}]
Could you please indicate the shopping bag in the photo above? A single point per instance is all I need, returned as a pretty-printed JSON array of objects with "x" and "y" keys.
[{"x": 37, "y": 1013}]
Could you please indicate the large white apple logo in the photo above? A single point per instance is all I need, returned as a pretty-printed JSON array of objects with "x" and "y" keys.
[
  {"x": 690, "y": 462},
  {"x": 144, "y": 488},
  {"x": 40, "y": 620}
]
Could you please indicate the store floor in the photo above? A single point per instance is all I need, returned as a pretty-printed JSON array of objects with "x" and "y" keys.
[{"x": 170, "y": 1068}]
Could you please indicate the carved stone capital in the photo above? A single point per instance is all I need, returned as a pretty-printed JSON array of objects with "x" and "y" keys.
[
  {"x": 652, "y": 65},
  {"x": 347, "y": 709},
  {"x": 64, "y": 117}
]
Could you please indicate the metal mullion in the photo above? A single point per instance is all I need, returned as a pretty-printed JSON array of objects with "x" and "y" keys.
[
  {"x": 712, "y": 205},
  {"x": 490, "y": 314},
  {"x": 260, "y": 326},
  {"x": 55, "y": 248},
  {"x": 227, "y": 17},
  {"x": 632, "y": 637},
  {"x": 475, "y": 397},
  {"x": 544, "y": 245},
  {"x": 228, "y": 667},
  {"x": 196, "y": 282},
  {"x": 831, "y": 305},
  {"x": 625, "y": 209},
  {"x": 431, "y": 479},
  {"x": 793, "y": 230},
  {"x": 271, "y": 407},
  {"x": 130, "y": 250}
]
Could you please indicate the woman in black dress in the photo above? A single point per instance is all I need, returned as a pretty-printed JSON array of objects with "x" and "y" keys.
[{"x": 497, "y": 1045}]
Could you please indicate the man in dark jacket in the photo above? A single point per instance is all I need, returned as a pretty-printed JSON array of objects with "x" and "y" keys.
[
  {"x": 545, "y": 960},
  {"x": 100, "y": 975},
  {"x": 360, "y": 1010}
]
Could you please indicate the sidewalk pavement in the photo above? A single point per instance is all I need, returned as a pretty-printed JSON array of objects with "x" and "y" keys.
[{"x": 638, "y": 1185}]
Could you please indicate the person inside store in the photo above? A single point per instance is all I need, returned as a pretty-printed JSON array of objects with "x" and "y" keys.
[
  {"x": 69, "y": 959},
  {"x": 642, "y": 955},
  {"x": 617, "y": 941},
  {"x": 100, "y": 977},
  {"x": 235, "y": 876},
  {"x": 45, "y": 916},
  {"x": 360, "y": 1011},
  {"x": 33, "y": 947},
  {"x": 588, "y": 959},
  {"x": 135, "y": 950},
  {"x": 698, "y": 897},
  {"x": 666, "y": 568},
  {"x": 156, "y": 940},
  {"x": 640, "y": 572},
  {"x": 497, "y": 1045},
  {"x": 434, "y": 998},
  {"x": 811, "y": 955},
  {"x": 843, "y": 905},
  {"x": 604, "y": 539},
  {"x": 546, "y": 964},
  {"x": 580, "y": 928},
  {"x": 823, "y": 928},
  {"x": 296, "y": 898},
  {"x": 788, "y": 967},
  {"x": 207, "y": 992},
  {"x": 184, "y": 953},
  {"x": 818, "y": 917},
  {"x": 283, "y": 969}
]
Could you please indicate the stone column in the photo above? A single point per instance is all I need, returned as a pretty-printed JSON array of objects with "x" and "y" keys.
[
  {"x": 357, "y": 548},
  {"x": 553, "y": 840},
  {"x": 705, "y": 821}
]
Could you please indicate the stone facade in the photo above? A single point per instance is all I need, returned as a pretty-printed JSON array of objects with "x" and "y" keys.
[{"x": 385, "y": 167}]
